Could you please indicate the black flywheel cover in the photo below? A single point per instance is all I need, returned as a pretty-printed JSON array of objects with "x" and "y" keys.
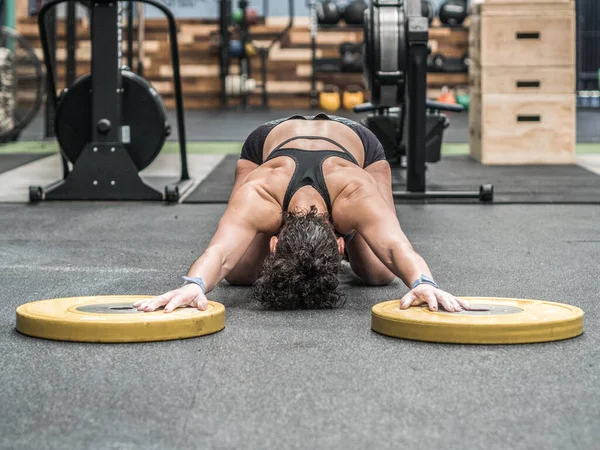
[
  {"x": 385, "y": 53},
  {"x": 144, "y": 119}
]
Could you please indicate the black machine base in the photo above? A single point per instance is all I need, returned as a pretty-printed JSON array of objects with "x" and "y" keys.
[
  {"x": 111, "y": 124},
  {"x": 105, "y": 171},
  {"x": 484, "y": 195}
]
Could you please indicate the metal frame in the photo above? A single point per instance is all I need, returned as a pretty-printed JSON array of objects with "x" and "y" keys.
[
  {"x": 323, "y": 65},
  {"x": 130, "y": 35},
  {"x": 224, "y": 21},
  {"x": 588, "y": 53},
  {"x": 414, "y": 82},
  {"x": 243, "y": 60},
  {"x": 71, "y": 42},
  {"x": 385, "y": 23},
  {"x": 588, "y": 46},
  {"x": 50, "y": 107},
  {"x": 314, "y": 27},
  {"x": 104, "y": 169},
  {"x": 10, "y": 38}
]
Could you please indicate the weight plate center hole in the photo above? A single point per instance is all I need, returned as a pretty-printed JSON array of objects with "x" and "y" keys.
[{"x": 485, "y": 310}]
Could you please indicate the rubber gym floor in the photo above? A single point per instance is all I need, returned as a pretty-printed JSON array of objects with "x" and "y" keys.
[{"x": 296, "y": 379}]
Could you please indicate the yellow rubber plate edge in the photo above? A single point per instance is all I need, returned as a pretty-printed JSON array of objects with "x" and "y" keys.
[
  {"x": 64, "y": 324},
  {"x": 455, "y": 328}
]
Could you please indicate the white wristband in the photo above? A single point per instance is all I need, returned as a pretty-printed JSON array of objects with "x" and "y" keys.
[{"x": 195, "y": 280}]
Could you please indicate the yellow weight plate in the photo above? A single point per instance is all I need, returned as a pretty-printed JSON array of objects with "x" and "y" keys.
[
  {"x": 495, "y": 321},
  {"x": 112, "y": 318}
]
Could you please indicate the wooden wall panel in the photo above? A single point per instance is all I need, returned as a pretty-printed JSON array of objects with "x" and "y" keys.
[{"x": 289, "y": 67}]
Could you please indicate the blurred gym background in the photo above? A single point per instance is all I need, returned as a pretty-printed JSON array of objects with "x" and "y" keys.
[{"x": 301, "y": 69}]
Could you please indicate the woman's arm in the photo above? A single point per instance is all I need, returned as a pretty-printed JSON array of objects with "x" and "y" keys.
[
  {"x": 363, "y": 208},
  {"x": 382, "y": 174},
  {"x": 242, "y": 169},
  {"x": 250, "y": 211}
]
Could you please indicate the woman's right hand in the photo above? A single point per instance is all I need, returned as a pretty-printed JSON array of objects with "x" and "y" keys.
[{"x": 188, "y": 295}]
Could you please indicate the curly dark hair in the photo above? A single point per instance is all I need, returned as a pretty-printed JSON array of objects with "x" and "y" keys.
[{"x": 302, "y": 272}]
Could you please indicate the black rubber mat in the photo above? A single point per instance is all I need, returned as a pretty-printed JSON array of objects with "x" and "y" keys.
[
  {"x": 217, "y": 186},
  {"x": 11, "y": 161},
  {"x": 274, "y": 379},
  {"x": 512, "y": 184}
]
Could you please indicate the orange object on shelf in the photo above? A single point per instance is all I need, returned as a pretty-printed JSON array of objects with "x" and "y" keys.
[{"x": 447, "y": 96}]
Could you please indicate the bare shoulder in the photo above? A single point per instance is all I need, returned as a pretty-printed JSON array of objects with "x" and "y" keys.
[
  {"x": 355, "y": 200},
  {"x": 242, "y": 169},
  {"x": 379, "y": 167},
  {"x": 356, "y": 190},
  {"x": 253, "y": 205}
]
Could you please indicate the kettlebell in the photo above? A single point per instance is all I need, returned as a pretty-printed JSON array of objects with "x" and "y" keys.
[
  {"x": 351, "y": 57},
  {"x": 461, "y": 93},
  {"x": 329, "y": 98},
  {"x": 447, "y": 96},
  {"x": 250, "y": 49},
  {"x": 235, "y": 49},
  {"x": 427, "y": 10},
  {"x": 238, "y": 85},
  {"x": 437, "y": 62},
  {"x": 354, "y": 13},
  {"x": 251, "y": 16},
  {"x": 236, "y": 16},
  {"x": 466, "y": 62},
  {"x": 352, "y": 96},
  {"x": 453, "y": 12},
  {"x": 328, "y": 13}
]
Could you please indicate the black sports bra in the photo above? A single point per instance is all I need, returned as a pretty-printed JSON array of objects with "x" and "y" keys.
[{"x": 309, "y": 167}]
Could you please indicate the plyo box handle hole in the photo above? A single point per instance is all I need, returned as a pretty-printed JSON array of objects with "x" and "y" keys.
[
  {"x": 528, "y": 35},
  {"x": 529, "y": 118},
  {"x": 529, "y": 84}
]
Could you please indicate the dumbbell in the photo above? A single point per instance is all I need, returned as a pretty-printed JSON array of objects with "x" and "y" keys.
[
  {"x": 235, "y": 49},
  {"x": 351, "y": 57},
  {"x": 238, "y": 85},
  {"x": 437, "y": 62},
  {"x": 328, "y": 13},
  {"x": 354, "y": 13},
  {"x": 352, "y": 97},
  {"x": 453, "y": 12},
  {"x": 251, "y": 16},
  {"x": 427, "y": 10},
  {"x": 329, "y": 98},
  {"x": 466, "y": 62}
]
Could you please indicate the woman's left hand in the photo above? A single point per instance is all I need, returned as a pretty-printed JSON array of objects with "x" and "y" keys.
[{"x": 433, "y": 297}]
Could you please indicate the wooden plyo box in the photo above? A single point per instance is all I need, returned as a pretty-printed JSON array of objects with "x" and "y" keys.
[
  {"x": 522, "y": 82},
  {"x": 542, "y": 34},
  {"x": 522, "y": 129},
  {"x": 488, "y": 2}
]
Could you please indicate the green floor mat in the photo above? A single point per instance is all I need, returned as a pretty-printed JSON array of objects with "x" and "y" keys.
[
  {"x": 233, "y": 147},
  {"x": 198, "y": 148}
]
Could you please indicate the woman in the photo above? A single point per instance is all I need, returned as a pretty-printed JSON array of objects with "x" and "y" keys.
[{"x": 307, "y": 191}]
